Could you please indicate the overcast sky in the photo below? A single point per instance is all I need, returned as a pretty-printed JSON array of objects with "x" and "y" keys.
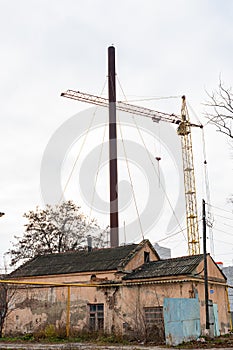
[{"x": 164, "y": 48}]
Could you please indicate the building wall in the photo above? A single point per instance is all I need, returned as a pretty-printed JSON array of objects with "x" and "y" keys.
[
  {"x": 217, "y": 294},
  {"x": 164, "y": 253},
  {"x": 84, "y": 277},
  {"x": 34, "y": 308},
  {"x": 228, "y": 271}
]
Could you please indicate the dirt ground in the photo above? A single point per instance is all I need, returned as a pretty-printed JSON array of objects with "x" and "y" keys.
[
  {"x": 221, "y": 342},
  {"x": 73, "y": 346}
]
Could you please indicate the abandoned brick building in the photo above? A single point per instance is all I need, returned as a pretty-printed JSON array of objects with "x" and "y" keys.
[{"x": 128, "y": 290}]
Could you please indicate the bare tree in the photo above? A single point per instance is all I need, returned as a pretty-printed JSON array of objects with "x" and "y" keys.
[
  {"x": 220, "y": 109},
  {"x": 7, "y": 299},
  {"x": 54, "y": 230},
  {"x": 3, "y": 306}
]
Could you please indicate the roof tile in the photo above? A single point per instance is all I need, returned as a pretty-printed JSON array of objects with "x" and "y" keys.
[
  {"x": 78, "y": 261},
  {"x": 168, "y": 267}
]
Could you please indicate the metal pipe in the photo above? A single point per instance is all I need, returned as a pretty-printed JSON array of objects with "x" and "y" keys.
[
  {"x": 229, "y": 309},
  {"x": 114, "y": 234},
  {"x": 68, "y": 313},
  {"x": 105, "y": 285}
]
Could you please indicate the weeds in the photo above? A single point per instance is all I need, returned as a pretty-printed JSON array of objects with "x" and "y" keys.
[{"x": 52, "y": 334}]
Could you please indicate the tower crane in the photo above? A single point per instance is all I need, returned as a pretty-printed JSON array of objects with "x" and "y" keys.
[{"x": 184, "y": 131}]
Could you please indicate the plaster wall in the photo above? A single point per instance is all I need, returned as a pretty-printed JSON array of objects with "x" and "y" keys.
[
  {"x": 138, "y": 259},
  {"x": 33, "y": 308}
]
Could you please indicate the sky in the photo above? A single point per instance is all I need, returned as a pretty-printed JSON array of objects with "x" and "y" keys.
[{"x": 164, "y": 48}]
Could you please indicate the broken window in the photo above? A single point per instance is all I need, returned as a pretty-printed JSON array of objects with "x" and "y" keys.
[{"x": 96, "y": 317}]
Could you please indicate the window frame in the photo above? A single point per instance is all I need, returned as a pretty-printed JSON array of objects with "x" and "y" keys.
[{"x": 96, "y": 316}]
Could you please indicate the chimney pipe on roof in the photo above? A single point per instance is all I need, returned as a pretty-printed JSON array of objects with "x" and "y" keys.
[{"x": 89, "y": 244}]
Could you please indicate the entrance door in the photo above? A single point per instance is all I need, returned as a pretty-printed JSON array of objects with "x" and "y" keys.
[{"x": 213, "y": 315}]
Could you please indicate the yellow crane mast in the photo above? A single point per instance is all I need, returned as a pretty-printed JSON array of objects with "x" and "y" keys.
[{"x": 184, "y": 131}]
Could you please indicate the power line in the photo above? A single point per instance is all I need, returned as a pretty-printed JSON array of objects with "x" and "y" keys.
[
  {"x": 214, "y": 206},
  {"x": 227, "y": 233},
  {"x": 222, "y": 223},
  {"x": 224, "y": 242},
  {"x": 224, "y": 217}
]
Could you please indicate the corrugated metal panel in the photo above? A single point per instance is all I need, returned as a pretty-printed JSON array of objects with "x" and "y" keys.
[
  {"x": 169, "y": 267},
  {"x": 77, "y": 261},
  {"x": 181, "y": 320}
]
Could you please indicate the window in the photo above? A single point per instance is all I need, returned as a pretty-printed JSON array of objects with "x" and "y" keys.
[
  {"x": 154, "y": 323},
  {"x": 153, "y": 315},
  {"x": 96, "y": 317},
  {"x": 146, "y": 257}
]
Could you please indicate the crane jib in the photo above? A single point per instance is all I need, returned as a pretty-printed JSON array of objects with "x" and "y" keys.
[
  {"x": 184, "y": 131},
  {"x": 156, "y": 116}
]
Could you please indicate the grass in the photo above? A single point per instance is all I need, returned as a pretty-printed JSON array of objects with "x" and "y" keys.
[{"x": 48, "y": 336}]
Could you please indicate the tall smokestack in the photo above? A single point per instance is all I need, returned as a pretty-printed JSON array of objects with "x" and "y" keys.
[{"x": 114, "y": 234}]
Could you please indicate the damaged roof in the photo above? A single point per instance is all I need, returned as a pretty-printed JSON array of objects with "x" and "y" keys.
[
  {"x": 169, "y": 267},
  {"x": 104, "y": 259}
]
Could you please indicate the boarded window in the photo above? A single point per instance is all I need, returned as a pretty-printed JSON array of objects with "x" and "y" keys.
[
  {"x": 153, "y": 315},
  {"x": 154, "y": 323},
  {"x": 96, "y": 317}
]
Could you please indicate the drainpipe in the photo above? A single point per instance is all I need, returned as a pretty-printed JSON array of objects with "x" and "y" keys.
[{"x": 68, "y": 313}]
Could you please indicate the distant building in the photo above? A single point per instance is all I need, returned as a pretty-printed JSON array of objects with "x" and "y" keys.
[
  {"x": 228, "y": 272},
  {"x": 164, "y": 253}
]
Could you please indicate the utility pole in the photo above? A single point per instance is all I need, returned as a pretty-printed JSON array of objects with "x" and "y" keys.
[
  {"x": 114, "y": 230},
  {"x": 205, "y": 267}
]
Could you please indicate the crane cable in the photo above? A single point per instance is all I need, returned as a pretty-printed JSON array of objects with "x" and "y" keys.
[
  {"x": 97, "y": 173},
  {"x": 158, "y": 157},
  {"x": 209, "y": 213},
  {"x": 152, "y": 98},
  {"x": 174, "y": 234},
  {"x": 127, "y": 164},
  {"x": 81, "y": 148},
  {"x": 153, "y": 165},
  {"x": 130, "y": 178},
  {"x": 76, "y": 161},
  {"x": 155, "y": 171},
  {"x": 207, "y": 187}
]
